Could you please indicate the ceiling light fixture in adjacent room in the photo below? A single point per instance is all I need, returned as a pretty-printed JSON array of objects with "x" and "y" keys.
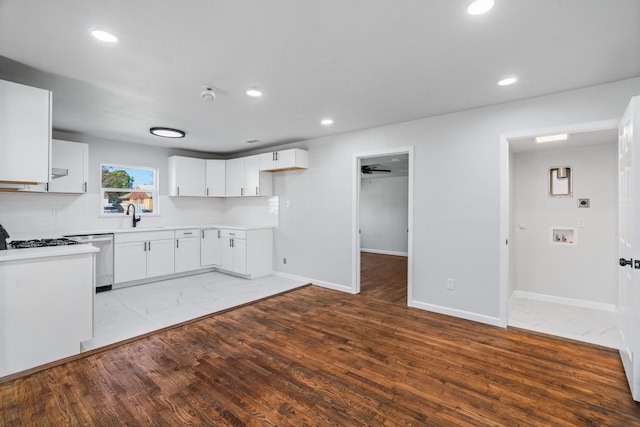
[
  {"x": 104, "y": 36},
  {"x": 167, "y": 132},
  {"x": 326, "y": 122},
  {"x": 479, "y": 7},
  {"x": 254, "y": 93},
  {"x": 508, "y": 81},
  {"x": 552, "y": 138}
]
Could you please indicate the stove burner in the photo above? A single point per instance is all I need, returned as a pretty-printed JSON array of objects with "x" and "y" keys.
[{"x": 39, "y": 243}]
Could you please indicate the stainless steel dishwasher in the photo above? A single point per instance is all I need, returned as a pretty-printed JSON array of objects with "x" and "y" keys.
[{"x": 104, "y": 258}]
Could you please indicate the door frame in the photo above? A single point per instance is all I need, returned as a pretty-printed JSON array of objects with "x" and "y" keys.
[
  {"x": 505, "y": 201},
  {"x": 355, "y": 223}
]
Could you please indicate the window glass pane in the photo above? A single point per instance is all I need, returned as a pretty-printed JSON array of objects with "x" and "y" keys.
[{"x": 124, "y": 185}]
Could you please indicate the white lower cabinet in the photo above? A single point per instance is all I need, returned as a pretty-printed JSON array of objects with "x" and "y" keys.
[
  {"x": 139, "y": 256},
  {"x": 247, "y": 252},
  {"x": 142, "y": 255},
  {"x": 210, "y": 247},
  {"x": 187, "y": 250}
]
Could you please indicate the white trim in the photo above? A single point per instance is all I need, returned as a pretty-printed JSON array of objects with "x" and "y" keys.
[
  {"x": 505, "y": 218},
  {"x": 355, "y": 209},
  {"x": 468, "y": 315},
  {"x": 383, "y": 252},
  {"x": 612, "y": 308},
  {"x": 328, "y": 285}
]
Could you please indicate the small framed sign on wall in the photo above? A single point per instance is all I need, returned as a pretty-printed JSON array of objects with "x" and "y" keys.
[{"x": 567, "y": 236}]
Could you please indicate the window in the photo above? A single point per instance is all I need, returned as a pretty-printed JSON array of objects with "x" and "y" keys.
[{"x": 128, "y": 185}]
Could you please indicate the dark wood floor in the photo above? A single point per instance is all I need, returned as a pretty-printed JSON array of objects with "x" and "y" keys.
[
  {"x": 316, "y": 357},
  {"x": 383, "y": 277}
]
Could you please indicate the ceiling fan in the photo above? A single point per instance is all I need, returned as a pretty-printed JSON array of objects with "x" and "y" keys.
[{"x": 369, "y": 169}]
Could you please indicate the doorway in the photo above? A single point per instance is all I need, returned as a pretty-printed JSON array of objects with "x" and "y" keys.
[
  {"x": 563, "y": 286},
  {"x": 383, "y": 224}
]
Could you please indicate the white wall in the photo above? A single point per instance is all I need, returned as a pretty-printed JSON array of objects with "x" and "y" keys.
[
  {"x": 384, "y": 214},
  {"x": 457, "y": 222},
  {"x": 586, "y": 271},
  {"x": 33, "y": 215}
]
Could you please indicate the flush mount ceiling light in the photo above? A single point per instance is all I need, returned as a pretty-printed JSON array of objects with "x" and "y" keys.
[
  {"x": 326, "y": 122},
  {"x": 508, "y": 81},
  {"x": 254, "y": 93},
  {"x": 252, "y": 141},
  {"x": 207, "y": 94},
  {"x": 552, "y": 138},
  {"x": 167, "y": 132},
  {"x": 104, "y": 36},
  {"x": 479, "y": 7}
]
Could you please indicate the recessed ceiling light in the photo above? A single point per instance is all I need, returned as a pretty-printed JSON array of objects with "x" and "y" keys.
[
  {"x": 326, "y": 122},
  {"x": 167, "y": 132},
  {"x": 104, "y": 36},
  {"x": 254, "y": 93},
  {"x": 479, "y": 7},
  {"x": 507, "y": 81},
  {"x": 552, "y": 138}
]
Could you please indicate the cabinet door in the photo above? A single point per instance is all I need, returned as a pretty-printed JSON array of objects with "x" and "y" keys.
[
  {"x": 73, "y": 157},
  {"x": 160, "y": 257},
  {"x": 252, "y": 176},
  {"x": 234, "y": 177},
  {"x": 226, "y": 259},
  {"x": 210, "y": 248},
  {"x": 239, "y": 249},
  {"x": 129, "y": 261},
  {"x": 268, "y": 161},
  {"x": 215, "y": 178},
  {"x": 187, "y": 176},
  {"x": 25, "y": 132},
  {"x": 187, "y": 254}
]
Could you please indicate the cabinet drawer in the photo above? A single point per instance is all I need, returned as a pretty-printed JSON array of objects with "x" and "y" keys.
[
  {"x": 192, "y": 232},
  {"x": 234, "y": 234},
  {"x": 143, "y": 236}
]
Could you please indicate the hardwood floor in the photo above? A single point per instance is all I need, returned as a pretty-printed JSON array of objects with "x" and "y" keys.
[
  {"x": 383, "y": 277},
  {"x": 317, "y": 357}
]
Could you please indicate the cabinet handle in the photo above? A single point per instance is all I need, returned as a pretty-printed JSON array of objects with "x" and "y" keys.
[
  {"x": 145, "y": 246},
  {"x": 273, "y": 156},
  {"x": 85, "y": 186},
  {"x": 218, "y": 234},
  {"x": 203, "y": 234},
  {"x": 190, "y": 232},
  {"x": 177, "y": 191},
  {"x": 149, "y": 246},
  {"x": 46, "y": 187},
  {"x": 177, "y": 243},
  {"x": 207, "y": 191},
  {"x": 257, "y": 192},
  {"x": 276, "y": 156}
]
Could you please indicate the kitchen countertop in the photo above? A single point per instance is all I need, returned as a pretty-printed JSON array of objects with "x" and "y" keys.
[{"x": 45, "y": 252}]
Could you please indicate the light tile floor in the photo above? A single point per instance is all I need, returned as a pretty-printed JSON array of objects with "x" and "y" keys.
[
  {"x": 128, "y": 312},
  {"x": 567, "y": 321}
]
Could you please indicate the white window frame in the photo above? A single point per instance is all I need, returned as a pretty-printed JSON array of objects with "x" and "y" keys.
[{"x": 154, "y": 191}]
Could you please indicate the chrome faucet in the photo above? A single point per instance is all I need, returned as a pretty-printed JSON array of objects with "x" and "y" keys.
[{"x": 135, "y": 221}]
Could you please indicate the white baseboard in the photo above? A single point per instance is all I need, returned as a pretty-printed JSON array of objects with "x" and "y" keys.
[
  {"x": 321, "y": 283},
  {"x": 383, "y": 252},
  {"x": 468, "y": 315},
  {"x": 566, "y": 301}
]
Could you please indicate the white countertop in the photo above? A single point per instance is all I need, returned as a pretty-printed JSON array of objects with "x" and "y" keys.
[{"x": 45, "y": 252}]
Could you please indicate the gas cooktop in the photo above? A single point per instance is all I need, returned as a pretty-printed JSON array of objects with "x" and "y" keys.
[{"x": 39, "y": 243}]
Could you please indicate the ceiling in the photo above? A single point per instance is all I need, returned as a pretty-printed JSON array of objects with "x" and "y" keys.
[{"x": 364, "y": 63}]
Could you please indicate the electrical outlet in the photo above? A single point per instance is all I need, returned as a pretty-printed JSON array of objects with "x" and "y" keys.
[
  {"x": 284, "y": 260},
  {"x": 450, "y": 284}
]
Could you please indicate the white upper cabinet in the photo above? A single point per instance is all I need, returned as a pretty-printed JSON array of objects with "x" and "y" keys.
[
  {"x": 284, "y": 160},
  {"x": 215, "y": 180},
  {"x": 244, "y": 178},
  {"x": 69, "y": 167},
  {"x": 25, "y": 133},
  {"x": 187, "y": 176}
]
